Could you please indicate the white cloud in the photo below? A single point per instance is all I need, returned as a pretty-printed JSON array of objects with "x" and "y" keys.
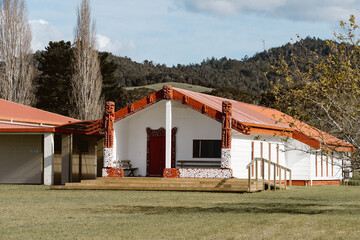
[
  {"x": 304, "y": 10},
  {"x": 42, "y": 33},
  {"x": 116, "y": 47}
]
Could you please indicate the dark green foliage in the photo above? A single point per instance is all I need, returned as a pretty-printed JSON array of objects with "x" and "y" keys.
[
  {"x": 55, "y": 64},
  {"x": 108, "y": 68},
  {"x": 246, "y": 80},
  {"x": 247, "y": 74}
]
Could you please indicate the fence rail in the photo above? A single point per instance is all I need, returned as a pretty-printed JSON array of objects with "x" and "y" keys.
[{"x": 277, "y": 170}]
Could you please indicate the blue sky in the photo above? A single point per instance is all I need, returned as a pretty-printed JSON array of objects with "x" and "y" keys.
[{"x": 188, "y": 31}]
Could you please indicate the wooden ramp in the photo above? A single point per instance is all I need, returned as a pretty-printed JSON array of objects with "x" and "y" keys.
[{"x": 165, "y": 184}]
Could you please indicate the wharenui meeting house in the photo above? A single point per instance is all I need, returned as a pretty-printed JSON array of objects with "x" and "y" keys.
[{"x": 172, "y": 133}]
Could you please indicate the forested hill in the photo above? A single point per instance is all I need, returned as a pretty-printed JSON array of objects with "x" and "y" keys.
[
  {"x": 241, "y": 80},
  {"x": 246, "y": 74}
]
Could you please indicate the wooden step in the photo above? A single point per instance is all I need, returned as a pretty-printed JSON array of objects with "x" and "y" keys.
[
  {"x": 151, "y": 188},
  {"x": 228, "y": 186},
  {"x": 165, "y": 184}
]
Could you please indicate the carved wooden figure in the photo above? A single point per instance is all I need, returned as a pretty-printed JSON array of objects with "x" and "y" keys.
[
  {"x": 168, "y": 92},
  {"x": 111, "y": 167},
  {"x": 109, "y": 119},
  {"x": 226, "y": 124},
  {"x": 226, "y": 134}
]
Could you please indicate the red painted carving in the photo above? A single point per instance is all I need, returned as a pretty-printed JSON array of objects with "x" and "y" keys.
[
  {"x": 114, "y": 172},
  {"x": 131, "y": 108},
  {"x": 168, "y": 92},
  {"x": 186, "y": 99},
  {"x": 238, "y": 126},
  {"x": 171, "y": 173},
  {"x": 226, "y": 124},
  {"x": 109, "y": 124},
  {"x": 160, "y": 133},
  {"x": 150, "y": 98},
  {"x": 204, "y": 109}
]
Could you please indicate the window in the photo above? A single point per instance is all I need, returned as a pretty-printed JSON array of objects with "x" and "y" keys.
[{"x": 207, "y": 148}]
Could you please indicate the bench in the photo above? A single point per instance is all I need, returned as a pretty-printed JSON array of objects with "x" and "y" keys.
[
  {"x": 126, "y": 165},
  {"x": 198, "y": 164}
]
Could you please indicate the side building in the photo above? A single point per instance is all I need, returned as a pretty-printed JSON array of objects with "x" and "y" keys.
[{"x": 33, "y": 151}]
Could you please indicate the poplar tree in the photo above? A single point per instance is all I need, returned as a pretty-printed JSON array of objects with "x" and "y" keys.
[
  {"x": 86, "y": 81},
  {"x": 17, "y": 69},
  {"x": 325, "y": 91}
]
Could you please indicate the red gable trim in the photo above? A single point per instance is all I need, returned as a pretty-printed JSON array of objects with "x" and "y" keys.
[
  {"x": 197, "y": 106},
  {"x": 183, "y": 99},
  {"x": 139, "y": 105}
]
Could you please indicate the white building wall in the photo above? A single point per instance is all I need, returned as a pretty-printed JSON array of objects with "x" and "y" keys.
[
  {"x": 131, "y": 143},
  {"x": 307, "y": 163},
  {"x": 242, "y": 152},
  {"x": 240, "y": 155},
  {"x": 131, "y": 136},
  {"x": 121, "y": 139},
  {"x": 334, "y": 170},
  {"x": 299, "y": 159},
  {"x": 193, "y": 125}
]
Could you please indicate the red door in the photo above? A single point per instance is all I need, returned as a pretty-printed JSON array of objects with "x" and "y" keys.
[{"x": 157, "y": 156}]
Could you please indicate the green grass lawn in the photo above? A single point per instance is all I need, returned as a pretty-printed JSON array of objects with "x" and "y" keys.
[
  {"x": 35, "y": 212},
  {"x": 158, "y": 86}
]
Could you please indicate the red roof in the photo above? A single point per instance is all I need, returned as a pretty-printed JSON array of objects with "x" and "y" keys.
[
  {"x": 261, "y": 120},
  {"x": 242, "y": 112},
  {"x": 10, "y": 111},
  {"x": 299, "y": 127}
]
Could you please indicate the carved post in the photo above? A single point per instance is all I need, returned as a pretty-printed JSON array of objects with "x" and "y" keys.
[
  {"x": 111, "y": 167},
  {"x": 226, "y": 135}
]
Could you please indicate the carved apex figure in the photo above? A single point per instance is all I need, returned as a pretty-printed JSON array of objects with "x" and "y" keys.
[
  {"x": 109, "y": 119},
  {"x": 109, "y": 107},
  {"x": 227, "y": 107},
  {"x": 167, "y": 92}
]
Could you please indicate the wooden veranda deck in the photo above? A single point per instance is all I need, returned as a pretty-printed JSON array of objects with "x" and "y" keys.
[
  {"x": 165, "y": 184},
  {"x": 270, "y": 179}
]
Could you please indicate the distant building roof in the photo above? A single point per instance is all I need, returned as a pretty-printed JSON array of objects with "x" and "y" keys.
[
  {"x": 10, "y": 111},
  {"x": 14, "y": 127}
]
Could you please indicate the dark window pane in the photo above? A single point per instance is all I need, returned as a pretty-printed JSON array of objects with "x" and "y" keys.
[
  {"x": 196, "y": 148},
  {"x": 207, "y": 148}
]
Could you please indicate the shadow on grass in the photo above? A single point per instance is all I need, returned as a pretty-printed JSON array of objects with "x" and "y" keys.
[{"x": 254, "y": 208}]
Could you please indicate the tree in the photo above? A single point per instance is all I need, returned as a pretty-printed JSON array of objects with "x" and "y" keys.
[
  {"x": 108, "y": 68},
  {"x": 326, "y": 90},
  {"x": 86, "y": 80},
  {"x": 54, "y": 82},
  {"x": 17, "y": 69}
]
